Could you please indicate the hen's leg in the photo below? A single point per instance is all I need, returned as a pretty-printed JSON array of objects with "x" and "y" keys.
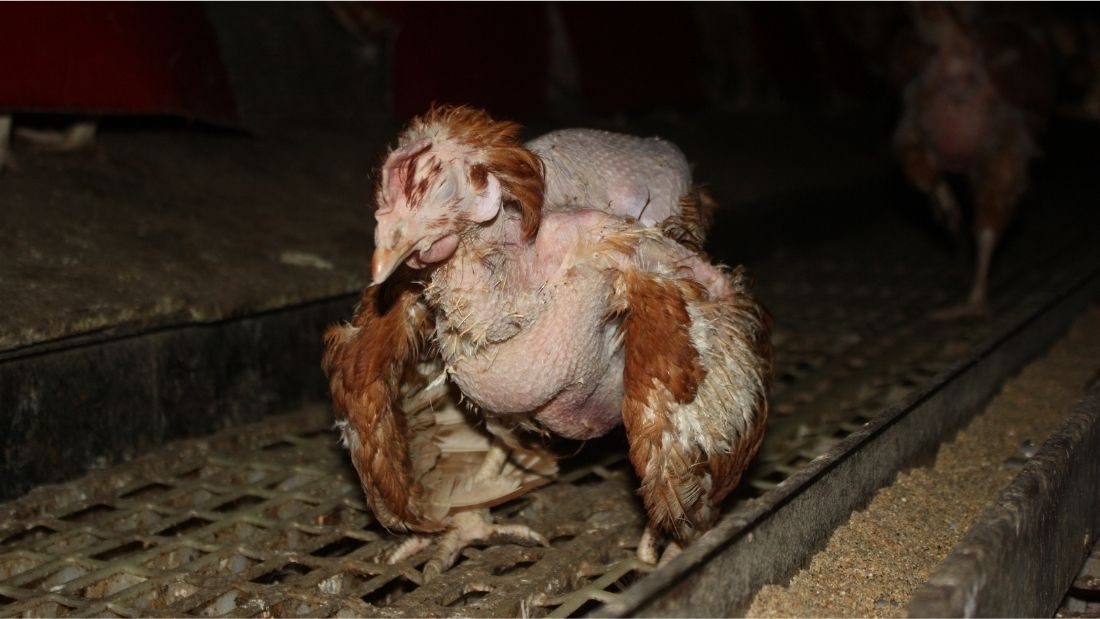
[
  {"x": 921, "y": 168},
  {"x": 648, "y": 544},
  {"x": 987, "y": 242},
  {"x": 999, "y": 183},
  {"x": 975, "y": 304},
  {"x": 467, "y": 529},
  {"x": 470, "y": 527}
]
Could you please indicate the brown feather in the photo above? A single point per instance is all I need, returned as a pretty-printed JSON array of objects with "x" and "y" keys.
[
  {"x": 661, "y": 348},
  {"x": 661, "y": 367},
  {"x": 519, "y": 171},
  {"x": 682, "y": 485},
  {"x": 365, "y": 363},
  {"x": 690, "y": 227},
  {"x": 726, "y": 469}
]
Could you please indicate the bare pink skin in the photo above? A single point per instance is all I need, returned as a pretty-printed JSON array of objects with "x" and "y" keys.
[
  {"x": 549, "y": 349},
  {"x": 438, "y": 252},
  {"x": 528, "y": 329},
  {"x": 424, "y": 231},
  {"x": 630, "y": 176},
  {"x": 546, "y": 347}
]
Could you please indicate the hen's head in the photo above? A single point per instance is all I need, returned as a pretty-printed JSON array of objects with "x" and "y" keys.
[
  {"x": 454, "y": 168},
  {"x": 944, "y": 26}
]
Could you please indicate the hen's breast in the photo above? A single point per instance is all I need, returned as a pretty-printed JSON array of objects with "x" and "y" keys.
[
  {"x": 957, "y": 110},
  {"x": 560, "y": 366},
  {"x": 549, "y": 352}
]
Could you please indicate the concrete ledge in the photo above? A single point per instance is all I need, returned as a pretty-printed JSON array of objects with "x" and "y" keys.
[
  {"x": 1022, "y": 555},
  {"x": 93, "y": 401}
]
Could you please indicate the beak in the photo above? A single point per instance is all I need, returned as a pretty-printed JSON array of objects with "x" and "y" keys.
[{"x": 385, "y": 261}]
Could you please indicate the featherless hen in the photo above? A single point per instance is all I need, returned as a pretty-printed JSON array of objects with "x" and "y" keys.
[{"x": 558, "y": 288}]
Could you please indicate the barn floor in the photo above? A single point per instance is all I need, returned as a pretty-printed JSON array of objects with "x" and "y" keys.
[{"x": 269, "y": 520}]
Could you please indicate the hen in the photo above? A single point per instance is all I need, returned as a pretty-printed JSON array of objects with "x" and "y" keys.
[
  {"x": 974, "y": 109},
  {"x": 550, "y": 311}
]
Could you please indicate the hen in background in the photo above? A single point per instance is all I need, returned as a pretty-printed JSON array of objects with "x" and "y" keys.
[{"x": 975, "y": 109}]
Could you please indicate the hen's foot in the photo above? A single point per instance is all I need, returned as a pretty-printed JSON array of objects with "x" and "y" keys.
[
  {"x": 965, "y": 310},
  {"x": 467, "y": 529},
  {"x": 647, "y": 549}
]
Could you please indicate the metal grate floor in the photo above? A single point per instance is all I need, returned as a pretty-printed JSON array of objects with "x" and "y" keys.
[{"x": 268, "y": 520}]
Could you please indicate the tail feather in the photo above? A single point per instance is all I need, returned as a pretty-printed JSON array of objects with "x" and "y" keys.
[{"x": 690, "y": 227}]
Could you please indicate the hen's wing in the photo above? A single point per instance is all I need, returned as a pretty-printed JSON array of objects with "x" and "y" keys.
[
  {"x": 366, "y": 362},
  {"x": 419, "y": 458},
  {"x": 698, "y": 362},
  {"x": 461, "y": 464}
]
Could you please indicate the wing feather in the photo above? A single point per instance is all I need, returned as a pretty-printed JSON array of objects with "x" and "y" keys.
[
  {"x": 366, "y": 362},
  {"x": 698, "y": 363},
  {"x": 419, "y": 457}
]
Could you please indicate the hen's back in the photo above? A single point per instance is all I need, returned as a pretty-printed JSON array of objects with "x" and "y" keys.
[{"x": 626, "y": 175}]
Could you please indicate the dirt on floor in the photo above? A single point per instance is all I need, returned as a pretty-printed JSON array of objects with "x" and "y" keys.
[
  {"x": 875, "y": 562},
  {"x": 154, "y": 227}
]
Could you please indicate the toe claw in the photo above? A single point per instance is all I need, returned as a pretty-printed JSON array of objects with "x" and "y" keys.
[
  {"x": 647, "y": 547},
  {"x": 434, "y": 567},
  {"x": 671, "y": 552},
  {"x": 407, "y": 548},
  {"x": 961, "y": 311},
  {"x": 519, "y": 534},
  {"x": 466, "y": 529}
]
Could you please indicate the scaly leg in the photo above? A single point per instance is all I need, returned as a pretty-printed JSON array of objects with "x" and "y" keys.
[
  {"x": 975, "y": 305},
  {"x": 647, "y": 548},
  {"x": 987, "y": 242},
  {"x": 472, "y": 525}
]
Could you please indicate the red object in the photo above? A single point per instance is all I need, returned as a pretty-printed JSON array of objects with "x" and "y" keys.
[{"x": 112, "y": 58}]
